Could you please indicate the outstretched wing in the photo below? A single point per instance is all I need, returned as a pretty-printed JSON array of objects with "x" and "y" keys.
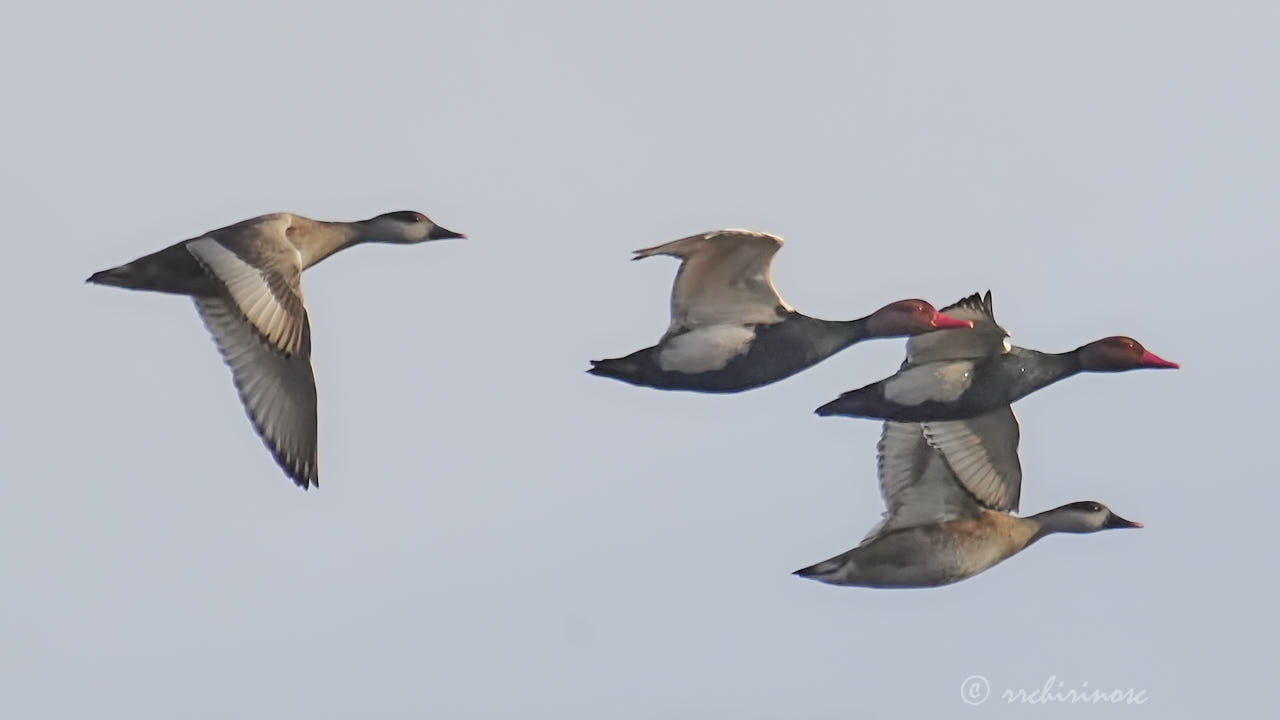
[
  {"x": 724, "y": 277},
  {"x": 982, "y": 452},
  {"x": 261, "y": 272},
  {"x": 917, "y": 486},
  {"x": 986, "y": 337},
  {"x": 260, "y": 325},
  {"x": 278, "y": 390}
]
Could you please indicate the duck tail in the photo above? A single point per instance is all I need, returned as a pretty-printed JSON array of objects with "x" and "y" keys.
[
  {"x": 617, "y": 368},
  {"x": 635, "y": 368},
  {"x": 839, "y": 570},
  {"x": 822, "y": 571},
  {"x": 850, "y": 403},
  {"x": 125, "y": 276}
]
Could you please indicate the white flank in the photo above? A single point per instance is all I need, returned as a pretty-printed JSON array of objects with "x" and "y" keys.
[
  {"x": 705, "y": 349},
  {"x": 939, "y": 382}
]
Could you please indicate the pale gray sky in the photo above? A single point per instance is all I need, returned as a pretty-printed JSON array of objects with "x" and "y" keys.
[{"x": 498, "y": 534}]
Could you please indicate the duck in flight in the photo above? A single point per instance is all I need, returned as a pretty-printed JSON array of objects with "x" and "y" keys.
[
  {"x": 934, "y": 532},
  {"x": 730, "y": 329},
  {"x": 952, "y": 379},
  {"x": 246, "y": 280}
]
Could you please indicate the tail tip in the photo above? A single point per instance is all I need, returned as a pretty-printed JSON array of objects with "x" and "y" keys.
[
  {"x": 851, "y": 404},
  {"x": 826, "y": 571},
  {"x": 117, "y": 276},
  {"x": 609, "y": 368}
]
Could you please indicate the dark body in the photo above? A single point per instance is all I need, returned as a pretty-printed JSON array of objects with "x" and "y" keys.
[{"x": 778, "y": 351}]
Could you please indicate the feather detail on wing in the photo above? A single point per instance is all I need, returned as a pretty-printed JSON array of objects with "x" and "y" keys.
[
  {"x": 260, "y": 325},
  {"x": 724, "y": 278},
  {"x": 917, "y": 486},
  {"x": 985, "y": 338},
  {"x": 278, "y": 389},
  {"x": 266, "y": 289},
  {"x": 982, "y": 452}
]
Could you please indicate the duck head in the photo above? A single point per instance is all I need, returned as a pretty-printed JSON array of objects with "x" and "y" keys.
[
  {"x": 405, "y": 227},
  {"x": 1119, "y": 353},
  {"x": 910, "y": 317},
  {"x": 1083, "y": 517}
]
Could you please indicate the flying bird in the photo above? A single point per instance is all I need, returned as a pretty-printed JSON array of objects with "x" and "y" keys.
[
  {"x": 730, "y": 329},
  {"x": 934, "y": 532},
  {"x": 937, "y": 383},
  {"x": 246, "y": 280}
]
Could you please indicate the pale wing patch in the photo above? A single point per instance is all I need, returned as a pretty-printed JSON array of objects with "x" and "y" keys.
[
  {"x": 917, "y": 486},
  {"x": 983, "y": 340},
  {"x": 986, "y": 338},
  {"x": 902, "y": 453},
  {"x": 725, "y": 277},
  {"x": 983, "y": 453},
  {"x": 936, "y": 382},
  {"x": 253, "y": 294},
  {"x": 704, "y": 349},
  {"x": 278, "y": 391}
]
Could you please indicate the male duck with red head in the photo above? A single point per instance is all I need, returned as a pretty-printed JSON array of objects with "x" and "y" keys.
[
  {"x": 730, "y": 329},
  {"x": 946, "y": 378}
]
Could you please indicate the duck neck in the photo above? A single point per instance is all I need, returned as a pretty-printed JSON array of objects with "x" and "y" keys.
[
  {"x": 815, "y": 338},
  {"x": 1050, "y": 522},
  {"x": 840, "y": 334},
  {"x": 1031, "y": 370},
  {"x": 326, "y": 238}
]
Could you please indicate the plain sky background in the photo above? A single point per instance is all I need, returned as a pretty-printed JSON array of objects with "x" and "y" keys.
[{"x": 498, "y": 534}]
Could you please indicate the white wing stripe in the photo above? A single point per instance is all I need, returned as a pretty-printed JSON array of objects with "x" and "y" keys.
[{"x": 247, "y": 287}]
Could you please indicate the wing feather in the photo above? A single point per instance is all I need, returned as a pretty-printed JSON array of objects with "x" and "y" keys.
[
  {"x": 983, "y": 453},
  {"x": 986, "y": 338},
  {"x": 260, "y": 325},
  {"x": 278, "y": 390},
  {"x": 725, "y": 277},
  {"x": 917, "y": 486},
  {"x": 261, "y": 274}
]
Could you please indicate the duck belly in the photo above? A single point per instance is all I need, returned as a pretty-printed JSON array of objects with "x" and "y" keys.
[
  {"x": 912, "y": 558},
  {"x": 895, "y": 572},
  {"x": 917, "y": 557}
]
